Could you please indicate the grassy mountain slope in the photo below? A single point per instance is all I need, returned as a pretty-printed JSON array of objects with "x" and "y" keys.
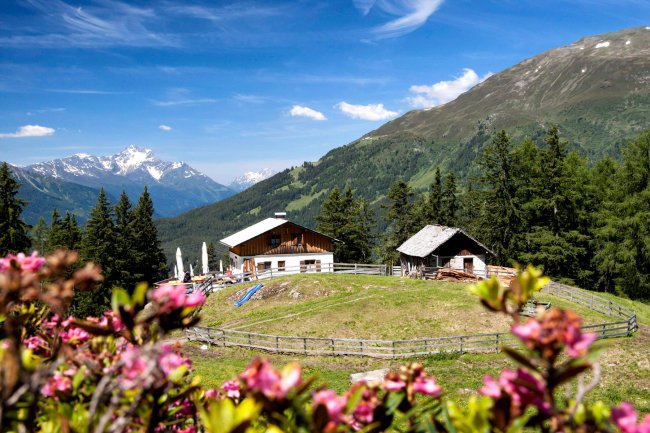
[{"x": 597, "y": 90}]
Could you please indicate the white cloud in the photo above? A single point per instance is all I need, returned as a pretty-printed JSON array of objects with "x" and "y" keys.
[
  {"x": 165, "y": 128},
  {"x": 29, "y": 131},
  {"x": 173, "y": 103},
  {"x": 411, "y": 14},
  {"x": 444, "y": 91},
  {"x": 299, "y": 110},
  {"x": 366, "y": 112}
]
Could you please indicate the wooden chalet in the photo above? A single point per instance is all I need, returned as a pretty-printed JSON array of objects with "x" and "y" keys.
[
  {"x": 437, "y": 246},
  {"x": 280, "y": 245}
]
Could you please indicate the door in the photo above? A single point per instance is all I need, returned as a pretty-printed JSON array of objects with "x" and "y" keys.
[{"x": 468, "y": 265}]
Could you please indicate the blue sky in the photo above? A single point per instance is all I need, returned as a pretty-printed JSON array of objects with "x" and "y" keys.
[{"x": 235, "y": 86}]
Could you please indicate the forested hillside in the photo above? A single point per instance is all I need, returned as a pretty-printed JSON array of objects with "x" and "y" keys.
[{"x": 598, "y": 101}]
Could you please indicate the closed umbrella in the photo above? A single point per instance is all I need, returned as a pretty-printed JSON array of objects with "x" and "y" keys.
[
  {"x": 204, "y": 258},
  {"x": 175, "y": 272},
  {"x": 179, "y": 263},
  {"x": 191, "y": 271},
  {"x": 221, "y": 266}
]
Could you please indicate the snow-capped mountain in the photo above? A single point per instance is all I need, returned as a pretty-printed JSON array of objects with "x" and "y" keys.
[
  {"x": 250, "y": 178},
  {"x": 174, "y": 186}
]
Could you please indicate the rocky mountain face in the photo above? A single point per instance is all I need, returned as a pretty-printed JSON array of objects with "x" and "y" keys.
[
  {"x": 250, "y": 178},
  {"x": 597, "y": 90},
  {"x": 175, "y": 187}
]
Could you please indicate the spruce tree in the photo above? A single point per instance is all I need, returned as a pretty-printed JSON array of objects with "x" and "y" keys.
[
  {"x": 150, "y": 263},
  {"x": 71, "y": 232},
  {"x": 398, "y": 218},
  {"x": 213, "y": 260},
  {"x": 125, "y": 248},
  {"x": 449, "y": 202},
  {"x": 499, "y": 216},
  {"x": 56, "y": 236},
  {"x": 39, "y": 236},
  {"x": 13, "y": 230},
  {"x": 98, "y": 246}
]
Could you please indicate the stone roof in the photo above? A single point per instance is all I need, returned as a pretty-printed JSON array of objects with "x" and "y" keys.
[{"x": 430, "y": 238}]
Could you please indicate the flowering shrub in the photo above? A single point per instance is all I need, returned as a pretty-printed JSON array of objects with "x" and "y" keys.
[{"x": 116, "y": 373}]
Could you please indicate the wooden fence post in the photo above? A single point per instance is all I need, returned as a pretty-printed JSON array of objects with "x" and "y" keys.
[
  {"x": 304, "y": 343},
  {"x": 277, "y": 343},
  {"x": 332, "y": 342},
  {"x": 461, "y": 345},
  {"x": 496, "y": 346}
]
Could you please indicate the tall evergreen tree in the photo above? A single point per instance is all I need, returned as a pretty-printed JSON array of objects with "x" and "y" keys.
[
  {"x": 449, "y": 202},
  {"x": 39, "y": 236},
  {"x": 149, "y": 260},
  {"x": 213, "y": 259},
  {"x": 398, "y": 218},
  {"x": 435, "y": 200},
  {"x": 71, "y": 232},
  {"x": 56, "y": 236},
  {"x": 500, "y": 217},
  {"x": 125, "y": 247},
  {"x": 13, "y": 230},
  {"x": 98, "y": 246}
]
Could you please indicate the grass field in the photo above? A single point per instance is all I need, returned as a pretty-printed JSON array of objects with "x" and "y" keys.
[{"x": 393, "y": 308}]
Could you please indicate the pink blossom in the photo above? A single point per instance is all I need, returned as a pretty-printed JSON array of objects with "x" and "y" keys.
[
  {"x": 333, "y": 403},
  {"x": 188, "y": 429},
  {"x": 364, "y": 412},
  {"x": 231, "y": 387},
  {"x": 624, "y": 416},
  {"x": 392, "y": 382},
  {"x": 212, "y": 393},
  {"x": 58, "y": 382},
  {"x": 428, "y": 386},
  {"x": 261, "y": 377},
  {"x": 74, "y": 335},
  {"x": 169, "y": 298},
  {"x": 170, "y": 360},
  {"x": 26, "y": 263},
  {"x": 490, "y": 387},
  {"x": 34, "y": 343},
  {"x": 528, "y": 331},
  {"x": 577, "y": 343},
  {"x": 134, "y": 367}
]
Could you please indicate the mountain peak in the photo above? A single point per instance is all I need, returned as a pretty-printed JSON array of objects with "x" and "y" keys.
[
  {"x": 250, "y": 178},
  {"x": 132, "y": 158}
]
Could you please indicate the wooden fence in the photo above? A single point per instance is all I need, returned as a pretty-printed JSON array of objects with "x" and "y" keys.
[{"x": 489, "y": 342}]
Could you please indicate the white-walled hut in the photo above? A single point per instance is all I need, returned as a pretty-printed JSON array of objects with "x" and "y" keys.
[
  {"x": 437, "y": 246},
  {"x": 280, "y": 245}
]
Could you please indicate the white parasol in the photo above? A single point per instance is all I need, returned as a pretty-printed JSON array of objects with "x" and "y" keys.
[
  {"x": 204, "y": 258},
  {"x": 179, "y": 263}
]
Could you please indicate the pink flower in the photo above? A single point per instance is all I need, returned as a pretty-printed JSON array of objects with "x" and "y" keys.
[
  {"x": 261, "y": 377},
  {"x": 188, "y": 429},
  {"x": 528, "y": 331},
  {"x": 25, "y": 263},
  {"x": 577, "y": 343},
  {"x": 212, "y": 393},
  {"x": 490, "y": 387},
  {"x": 170, "y": 298},
  {"x": 625, "y": 416},
  {"x": 364, "y": 412},
  {"x": 333, "y": 403},
  {"x": 428, "y": 386},
  {"x": 58, "y": 382},
  {"x": 231, "y": 387},
  {"x": 169, "y": 360},
  {"x": 393, "y": 382},
  {"x": 134, "y": 367},
  {"x": 34, "y": 343},
  {"x": 74, "y": 335}
]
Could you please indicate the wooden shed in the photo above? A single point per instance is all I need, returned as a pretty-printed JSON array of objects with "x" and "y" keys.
[
  {"x": 280, "y": 245},
  {"x": 437, "y": 246}
]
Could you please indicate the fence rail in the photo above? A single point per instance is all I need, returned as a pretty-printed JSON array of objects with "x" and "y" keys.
[{"x": 488, "y": 342}]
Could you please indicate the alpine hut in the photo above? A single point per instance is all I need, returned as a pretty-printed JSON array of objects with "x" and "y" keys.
[{"x": 437, "y": 246}]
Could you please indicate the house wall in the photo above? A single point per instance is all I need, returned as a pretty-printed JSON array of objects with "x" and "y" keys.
[
  {"x": 292, "y": 262},
  {"x": 457, "y": 262},
  {"x": 289, "y": 238}
]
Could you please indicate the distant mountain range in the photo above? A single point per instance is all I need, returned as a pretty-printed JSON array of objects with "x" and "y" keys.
[
  {"x": 597, "y": 90},
  {"x": 72, "y": 183},
  {"x": 250, "y": 178}
]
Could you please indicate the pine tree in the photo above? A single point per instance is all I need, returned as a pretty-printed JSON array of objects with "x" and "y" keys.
[
  {"x": 449, "y": 202},
  {"x": 150, "y": 263},
  {"x": 399, "y": 220},
  {"x": 499, "y": 216},
  {"x": 99, "y": 246},
  {"x": 125, "y": 247},
  {"x": 39, "y": 236},
  {"x": 13, "y": 230},
  {"x": 213, "y": 259},
  {"x": 55, "y": 237},
  {"x": 434, "y": 215},
  {"x": 71, "y": 232}
]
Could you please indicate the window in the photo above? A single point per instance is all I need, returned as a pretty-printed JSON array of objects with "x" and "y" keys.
[
  {"x": 275, "y": 240},
  {"x": 281, "y": 265},
  {"x": 296, "y": 238},
  {"x": 310, "y": 266},
  {"x": 263, "y": 266}
]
